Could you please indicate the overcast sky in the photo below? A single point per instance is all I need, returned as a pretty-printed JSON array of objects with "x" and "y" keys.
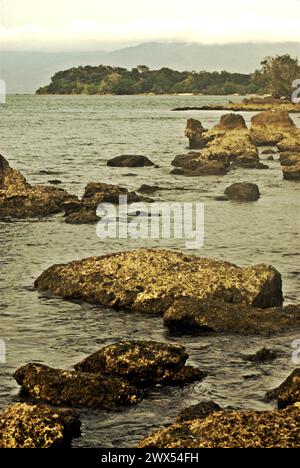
[{"x": 55, "y": 25}]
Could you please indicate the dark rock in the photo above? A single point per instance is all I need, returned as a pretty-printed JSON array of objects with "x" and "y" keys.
[
  {"x": 291, "y": 172},
  {"x": 199, "y": 411},
  {"x": 149, "y": 280},
  {"x": 231, "y": 429},
  {"x": 230, "y": 122},
  {"x": 195, "y": 133},
  {"x": 243, "y": 191},
  {"x": 263, "y": 355},
  {"x": 149, "y": 189},
  {"x": 143, "y": 363},
  {"x": 269, "y": 151},
  {"x": 70, "y": 388},
  {"x": 288, "y": 392},
  {"x": 24, "y": 425},
  {"x": 289, "y": 159},
  {"x": 129, "y": 160},
  {"x": 191, "y": 314},
  {"x": 83, "y": 216},
  {"x": 221, "y": 198},
  {"x": 55, "y": 182}
]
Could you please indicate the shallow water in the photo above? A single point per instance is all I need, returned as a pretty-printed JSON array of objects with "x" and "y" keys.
[{"x": 73, "y": 137}]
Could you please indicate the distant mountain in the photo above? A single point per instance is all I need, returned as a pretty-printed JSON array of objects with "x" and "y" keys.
[{"x": 25, "y": 72}]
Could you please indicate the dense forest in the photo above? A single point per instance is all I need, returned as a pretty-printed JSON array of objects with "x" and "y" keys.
[{"x": 104, "y": 79}]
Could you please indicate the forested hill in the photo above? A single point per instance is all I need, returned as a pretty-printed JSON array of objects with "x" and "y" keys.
[{"x": 115, "y": 80}]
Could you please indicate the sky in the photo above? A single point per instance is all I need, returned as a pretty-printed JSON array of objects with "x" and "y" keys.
[{"x": 61, "y": 25}]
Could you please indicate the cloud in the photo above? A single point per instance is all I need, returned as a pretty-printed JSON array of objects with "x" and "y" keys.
[{"x": 61, "y": 25}]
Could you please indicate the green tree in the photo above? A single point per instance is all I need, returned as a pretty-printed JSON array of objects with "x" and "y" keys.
[{"x": 278, "y": 74}]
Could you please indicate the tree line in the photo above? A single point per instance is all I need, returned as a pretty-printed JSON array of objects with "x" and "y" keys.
[{"x": 274, "y": 77}]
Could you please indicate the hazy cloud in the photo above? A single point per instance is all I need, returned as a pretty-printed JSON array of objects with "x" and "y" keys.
[{"x": 90, "y": 24}]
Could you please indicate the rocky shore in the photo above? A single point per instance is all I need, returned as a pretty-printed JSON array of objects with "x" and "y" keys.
[{"x": 249, "y": 105}]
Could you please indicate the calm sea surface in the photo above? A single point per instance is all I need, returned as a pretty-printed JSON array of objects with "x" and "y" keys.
[{"x": 72, "y": 137}]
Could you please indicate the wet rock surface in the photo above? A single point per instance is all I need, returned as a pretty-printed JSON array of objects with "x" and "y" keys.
[
  {"x": 130, "y": 160},
  {"x": 193, "y": 314},
  {"x": 149, "y": 280},
  {"x": 232, "y": 429},
  {"x": 288, "y": 392},
  {"x": 70, "y": 388},
  {"x": 143, "y": 363},
  {"x": 243, "y": 191},
  {"x": 24, "y": 425},
  {"x": 19, "y": 199}
]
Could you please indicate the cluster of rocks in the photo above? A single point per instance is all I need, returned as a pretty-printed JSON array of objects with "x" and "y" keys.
[
  {"x": 84, "y": 211},
  {"x": 188, "y": 291},
  {"x": 231, "y": 144},
  {"x": 206, "y": 425},
  {"x": 113, "y": 377},
  {"x": 19, "y": 199}
]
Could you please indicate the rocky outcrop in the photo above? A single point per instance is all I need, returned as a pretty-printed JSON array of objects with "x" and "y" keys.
[
  {"x": 19, "y": 199},
  {"x": 195, "y": 132},
  {"x": 269, "y": 128},
  {"x": 263, "y": 355},
  {"x": 231, "y": 429},
  {"x": 291, "y": 172},
  {"x": 149, "y": 280},
  {"x": 199, "y": 411},
  {"x": 24, "y": 425},
  {"x": 130, "y": 160},
  {"x": 243, "y": 191},
  {"x": 290, "y": 141},
  {"x": 143, "y": 363},
  {"x": 288, "y": 392},
  {"x": 227, "y": 143},
  {"x": 70, "y": 388},
  {"x": 187, "y": 313},
  {"x": 84, "y": 212}
]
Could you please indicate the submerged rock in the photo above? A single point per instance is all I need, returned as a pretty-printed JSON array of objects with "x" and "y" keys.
[
  {"x": 130, "y": 160},
  {"x": 288, "y": 392},
  {"x": 25, "y": 425},
  {"x": 19, "y": 199},
  {"x": 232, "y": 429},
  {"x": 263, "y": 355},
  {"x": 149, "y": 280},
  {"x": 192, "y": 314},
  {"x": 70, "y": 388},
  {"x": 149, "y": 189},
  {"x": 143, "y": 363},
  {"x": 243, "y": 191},
  {"x": 199, "y": 411}
]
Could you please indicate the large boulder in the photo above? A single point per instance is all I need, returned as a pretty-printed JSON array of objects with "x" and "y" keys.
[
  {"x": 288, "y": 158},
  {"x": 19, "y": 199},
  {"x": 70, "y": 388},
  {"x": 292, "y": 172},
  {"x": 150, "y": 280},
  {"x": 288, "y": 392},
  {"x": 270, "y": 127},
  {"x": 191, "y": 314},
  {"x": 231, "y": 429},
  {"x": 143, "y": 363},
  {"x": 194, "y": 164},
  {"x": 243, "y": 191},
  {"x": 290, "y": 141},
  {"x": 130, "y": 160},
  {"x": 24, "y": 425},
  {"x": 291, "y": 165}
]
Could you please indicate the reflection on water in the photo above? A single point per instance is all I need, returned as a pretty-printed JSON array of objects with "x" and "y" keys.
[{"x": 73, "y": 137}]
